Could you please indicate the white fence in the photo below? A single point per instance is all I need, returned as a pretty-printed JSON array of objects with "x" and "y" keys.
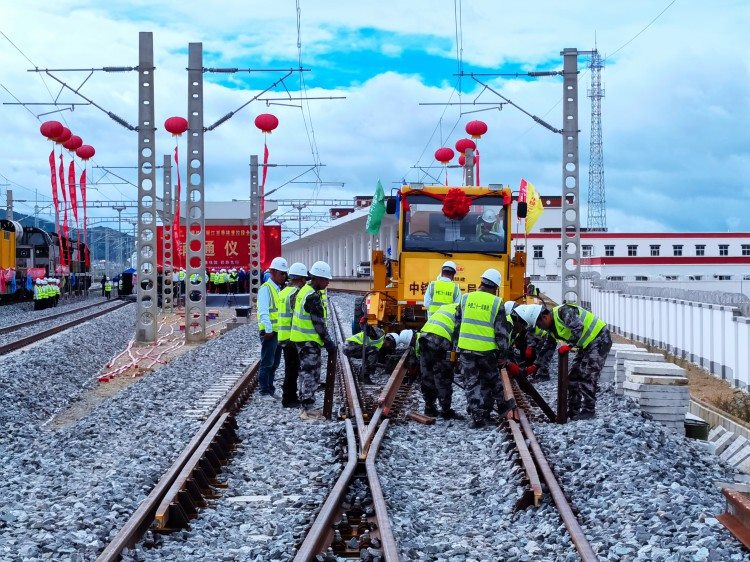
[{"x": 714, "y": 336}]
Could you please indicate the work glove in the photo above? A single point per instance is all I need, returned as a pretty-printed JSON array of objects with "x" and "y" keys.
[
  {"x": 529, "y": 353},
  {"x": 565, "y": 348},
  {"x": 513, "y": 369},
  {"x": 331, "y": 348},
  {"x": 531, "y": 369}
]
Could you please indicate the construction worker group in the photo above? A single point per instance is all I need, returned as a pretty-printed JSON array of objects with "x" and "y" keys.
[
  {"x": 46, "y": 292},
  {"x": 474, "y": 333}
]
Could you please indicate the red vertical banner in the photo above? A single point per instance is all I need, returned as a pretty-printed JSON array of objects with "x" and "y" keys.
[
  {"x": 64, "y": 251},
  {"x": 176, "y": 221},
  {"x": 83, "y": 204},
  {"x": 55, "y": 196},
  {"x": 72, "y": 187},
  {"x": 476, "y": 162},
  {"x": 263, "y": 207}
]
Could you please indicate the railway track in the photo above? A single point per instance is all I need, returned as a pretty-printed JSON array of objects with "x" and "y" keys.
[{"x": 43, "y": 334}]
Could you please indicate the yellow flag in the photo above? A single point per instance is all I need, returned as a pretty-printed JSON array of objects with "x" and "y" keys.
[{"x": 535, "y": 208}]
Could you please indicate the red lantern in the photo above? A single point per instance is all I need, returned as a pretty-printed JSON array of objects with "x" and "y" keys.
[
  {"x": 85, "y": 152},
  {"x": 476, "y": 129},
  {"x": 444, "y": 155},
  {"x": 73, "y": 143},
  {"x": 266, "y": 122},
  {"x": 462, "y": 160},
  {"x": 63, "y": 137},
  {"x": 176, "y": 125},
  {"x": 462, "y": 145},
  {"x": 51, "y": 129}
]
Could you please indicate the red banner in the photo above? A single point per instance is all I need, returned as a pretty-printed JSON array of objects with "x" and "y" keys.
[
  {"x": 176, "y": 234},
  {"x": 72, "y": 186},
  {"x": 226, "y": 246},
  {"x": 55, "y": 196},
  {"x": 63, "y": 247},
  {"x": 83, "y": 202}
]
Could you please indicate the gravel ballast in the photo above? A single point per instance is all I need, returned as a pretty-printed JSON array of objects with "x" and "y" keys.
[
  {"x": 24, "y": 311},
  {"x": 66, "y": 493}
]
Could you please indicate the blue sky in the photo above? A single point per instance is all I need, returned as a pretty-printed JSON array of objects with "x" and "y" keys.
[{"x": 675, "y": 115}]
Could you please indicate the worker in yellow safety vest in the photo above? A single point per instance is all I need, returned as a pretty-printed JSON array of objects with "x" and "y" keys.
[
  {"x": 481, "y": 336},
  {"x": 108, "y": 288},
  {"x": 268, "y": 313},
  {"x": 443, "y": 290},
  {"x": 287, "y": 299},
  {"x": 580, "y": 329},
  {"x": 310, "y": 335}
]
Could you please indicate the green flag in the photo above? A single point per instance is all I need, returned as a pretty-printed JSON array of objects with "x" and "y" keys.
[{"x": 377, "y": 210}]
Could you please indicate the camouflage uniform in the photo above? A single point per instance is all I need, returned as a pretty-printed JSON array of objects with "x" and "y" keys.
[
  {"x": 353, "y": 351},
  {"x": 309, "y": 352},
  {"x": 544, "y": 346},
  {"x": 586, "y": 366},
  {"x": 480, "y": 371},
  {"x": 436, "y": 369}
]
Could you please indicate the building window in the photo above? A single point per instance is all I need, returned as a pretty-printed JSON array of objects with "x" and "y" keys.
[
  {"x": 632, "y": 250},
  {"x": 670, "y": 277},
  {"x": 677, "y": 249},
  {"x": 746, "y": 249},
  {"x": 559, "y": 251},
  {"x": 655, "y": 249},
  {"x": 700, "y": 249},
  {"x": 588, "y": 251},
  {"x": 695, "y": 277},
  {"x": 609, "y": 251},
  {"x": 520, "y": 248},
  {"x": 615, "y": 278},
  {"x": 538, "y": 252},
  {"x": 723, "y": 249},
  {"x": 641, "y": 278},
  {"x": 724, "y": 277}
]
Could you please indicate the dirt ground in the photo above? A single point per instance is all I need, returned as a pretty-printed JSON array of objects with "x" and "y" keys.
[
  {"x": 125, "y": 373},
  {"x": 702, "y": 384}
]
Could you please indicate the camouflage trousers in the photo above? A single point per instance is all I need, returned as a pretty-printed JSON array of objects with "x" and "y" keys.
[
  {"x": 309, "y": 372},
  {"x": 436, "y": 370},
  {"x": 354, "y": 352},
  {"x": 481, "y": 376},
  {"x": 584, "y": 374}
]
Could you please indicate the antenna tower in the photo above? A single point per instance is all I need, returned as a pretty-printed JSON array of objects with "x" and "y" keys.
[{"x": 597, "y": 219}]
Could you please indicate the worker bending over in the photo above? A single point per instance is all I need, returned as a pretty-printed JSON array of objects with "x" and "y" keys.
[
  {"x": 378, "y": 345},
  {"x": 481, "y": 337},
  {"x": 531, "y": 349},
  {"x": 443, "y": 290}
]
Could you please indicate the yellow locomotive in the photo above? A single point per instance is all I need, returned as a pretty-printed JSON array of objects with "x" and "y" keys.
[{"x": 427, "y": 237}]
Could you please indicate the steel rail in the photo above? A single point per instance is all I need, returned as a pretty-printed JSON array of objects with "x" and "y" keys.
[
  {"x": 22, "y": 325},
  {"x": 318, "y": 533},
  {"x": 28, "y": 340},
  {"x": 143, "y": 516},
  {"x": 388, "y": 541},
  {"x": 569, "y": 519}
]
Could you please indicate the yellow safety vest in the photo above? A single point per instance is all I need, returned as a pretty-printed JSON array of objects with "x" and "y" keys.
[
  {"x": 360, "y": 338},
  {"x": 181, "y": 275},
  {"x": 284, "y": 325},
  {"x": 442, "y": 293},
  {"x": 302, "y": 326},
  {"x": 273, "y": 308},
  {"x": 478, "y": 313},
  {"x": 212, "y": 277},
  {"x": 108, "y": 286},
  {"x": 591, "y": 326},
  {"x": 442, "y": 322}
]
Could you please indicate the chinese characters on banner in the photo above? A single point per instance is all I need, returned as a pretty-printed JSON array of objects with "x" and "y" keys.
[{"x": 226, "y": 246}]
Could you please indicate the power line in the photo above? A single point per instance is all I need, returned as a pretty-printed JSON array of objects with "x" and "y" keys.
[
  {"x": 629, "y": 41},
  {"x": 19, "y": 101}
]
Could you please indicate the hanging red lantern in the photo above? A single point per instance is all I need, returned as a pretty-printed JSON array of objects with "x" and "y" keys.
[
  {"x": 51, "y": 129},
  {"x": 266, "y": 122},
  {"x": 462, "y": 145},
  {"x": 176, "y": 125},
  {"x": 63, "y": 137},
  {"x": 444, "y": 155},
  {"x": 456, "y": 204},
  {"x": 476, "y": 129},
  {"x": 73, "y": 143},
  {"x": 85, "y": 152},
  {"x": 462, "y": 160}
]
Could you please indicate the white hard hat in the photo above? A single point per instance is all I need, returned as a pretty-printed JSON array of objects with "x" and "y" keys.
[
  {"x": 223, "y": 271},
  {"x": 493, "y": 276},
  {"x": 489, "y": 216},
  {"x": 449, "y": 265},
  {"x": 393, "y": 336},
  {"x": 44, "y": 281},
  {"x": 509, "y": 305},
  {"x": 321, "y": 269},
  {"x": 279, "y": 264},
  {"x": 39, "y": 281},
  {"x": 405, "y": 337},
  {"x": 298, "y": 269},
  {"x": 529, "y": 313}
]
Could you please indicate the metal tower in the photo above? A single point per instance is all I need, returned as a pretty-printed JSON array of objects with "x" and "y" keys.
[{"x": 597, "y": 219}]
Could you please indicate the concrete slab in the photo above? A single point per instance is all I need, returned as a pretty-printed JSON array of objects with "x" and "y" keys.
[
  {"x": 653, "y": 368},
  {"x": 734, "y": 448},
  {"x": 666, "y": 410},
  {"x": 660, "y": 402},
  {"x": 638, "y": 355},
  {"x": 724, "y": 441},
  {"x": 741, "y": 456},
  {"x": 655, "y": 379},
  {"x": 715, "y": 433}
]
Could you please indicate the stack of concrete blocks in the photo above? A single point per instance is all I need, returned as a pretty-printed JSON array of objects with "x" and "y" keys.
[
  {"x": 660, "y": 389},
  {"x": 607, "y": 375},
  {"x": 636, "y": 354},
  {"x": 732, "y": 448}
]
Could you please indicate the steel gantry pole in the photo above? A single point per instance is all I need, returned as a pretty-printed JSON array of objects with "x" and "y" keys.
[
  {"x": 166, "y": 239},
  {"x": 195, "y": 284},
  {"x": 255, "y": 274},
  {"x": 571, "y": 217},
  {"x": 146, "y": 318}
]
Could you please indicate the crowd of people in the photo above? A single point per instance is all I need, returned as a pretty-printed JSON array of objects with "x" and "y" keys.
[
  {"x": 46, "y": 292},
  {"x": 475, "y": 334}
]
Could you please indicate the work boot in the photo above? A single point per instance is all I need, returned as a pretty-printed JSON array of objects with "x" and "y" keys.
[
  {"x": 430, "y": 409},
  {"x": 290, "y": 403},
  {"x": 505, "y": 407},
  {"x": 312, "y": 415},
  {"x": 477, "y": 423},
  {"x": 451, "y": 414}
]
